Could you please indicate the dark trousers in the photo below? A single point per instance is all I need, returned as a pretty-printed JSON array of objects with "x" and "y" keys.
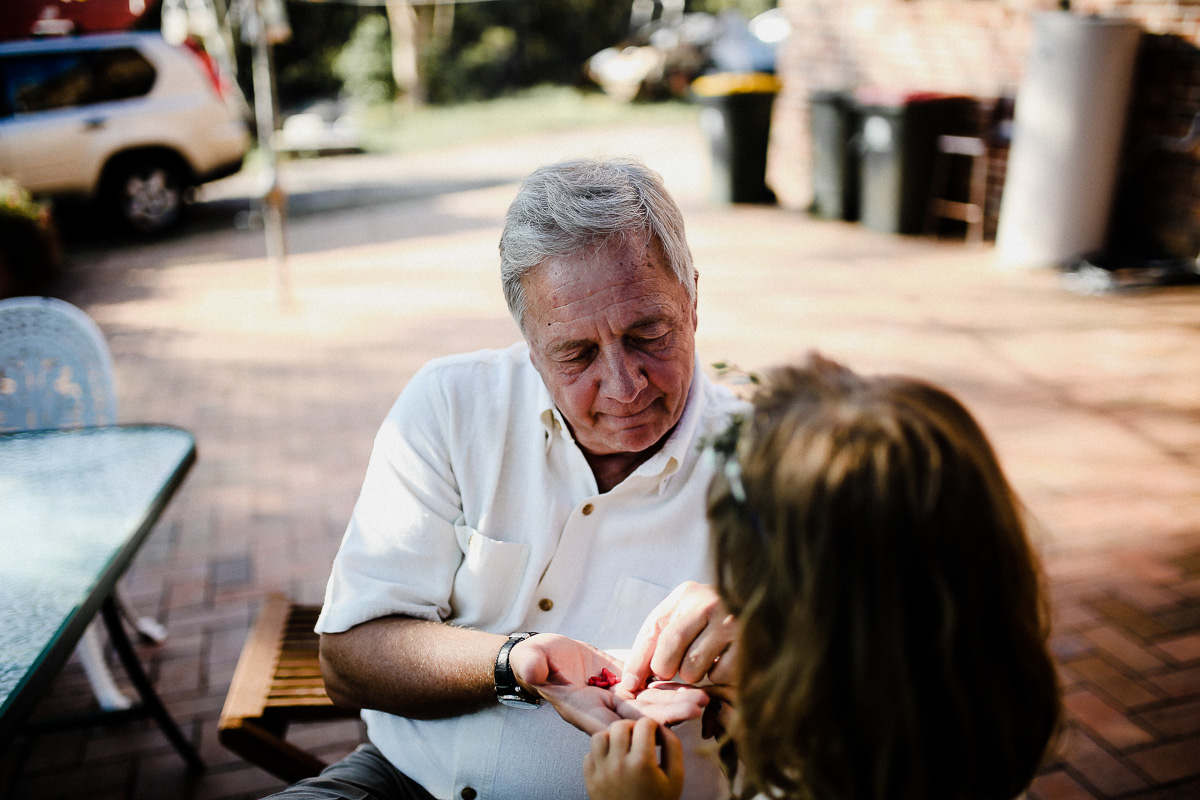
[{"x": 363, "y": 775}]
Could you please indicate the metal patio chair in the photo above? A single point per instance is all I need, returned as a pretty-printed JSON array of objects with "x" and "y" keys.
[{"x": 56, "y": 372}]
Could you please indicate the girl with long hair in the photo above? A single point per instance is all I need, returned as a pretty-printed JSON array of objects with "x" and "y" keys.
[{"x": 892, "y": 628}]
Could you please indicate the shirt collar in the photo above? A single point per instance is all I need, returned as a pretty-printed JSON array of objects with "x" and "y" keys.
[
  {"x": 667, "y": 460},
  {"x": 552, "y": 421}
]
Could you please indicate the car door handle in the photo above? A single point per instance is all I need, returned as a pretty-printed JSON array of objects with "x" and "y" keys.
[{"x": 94, "y": 124}]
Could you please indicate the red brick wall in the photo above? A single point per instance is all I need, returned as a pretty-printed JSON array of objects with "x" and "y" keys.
[{"x": 978, "y": 47}]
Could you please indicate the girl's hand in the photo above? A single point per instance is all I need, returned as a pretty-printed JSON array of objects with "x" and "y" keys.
[
  {"x": 624, "y": 765},
  {"x": 687, "y": 637}
]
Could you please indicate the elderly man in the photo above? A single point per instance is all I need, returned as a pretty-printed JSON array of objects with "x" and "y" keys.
[{"x": 527, "y": 514}]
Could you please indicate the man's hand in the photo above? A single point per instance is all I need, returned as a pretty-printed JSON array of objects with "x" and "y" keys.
[
  {"x": 558, "y": 668},
  {"x": 687, "y": 637},
  {"x": 623, "y": 764},
  {"x": 665, "y": 702}
]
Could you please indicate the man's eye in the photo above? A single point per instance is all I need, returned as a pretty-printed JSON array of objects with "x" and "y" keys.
[
  {"x": 652, "y": 339},
  {"x": 581, "y": 357}
]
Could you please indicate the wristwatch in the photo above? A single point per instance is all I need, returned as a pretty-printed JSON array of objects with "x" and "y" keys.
[{"x": 508, "y": 691}]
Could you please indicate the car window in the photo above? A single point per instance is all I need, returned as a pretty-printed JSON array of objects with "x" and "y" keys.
[{"x": 61, "y": 80}]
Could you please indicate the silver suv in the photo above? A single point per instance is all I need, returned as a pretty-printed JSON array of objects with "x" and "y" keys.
[{"x": 126, "y": 120}]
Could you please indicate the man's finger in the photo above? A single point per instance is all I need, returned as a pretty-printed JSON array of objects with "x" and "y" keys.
[
  {"x": 682, "y": 635},
  {"x": 637, "y": 666},
  {"x": 701, "y": 643},
  {"x": 589, "y": 709},
  {"x": 725, "y": 670},
  {"x": 666, "y": 703}
]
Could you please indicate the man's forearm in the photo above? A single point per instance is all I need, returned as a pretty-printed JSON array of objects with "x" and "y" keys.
[
  {"x": 410, "y": 667},
  {"x": 430, "y": 670}
]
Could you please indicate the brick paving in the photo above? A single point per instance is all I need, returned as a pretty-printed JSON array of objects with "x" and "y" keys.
[{"x": 1091, "y": 401}]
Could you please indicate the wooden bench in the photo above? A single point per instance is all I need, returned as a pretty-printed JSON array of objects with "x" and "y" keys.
[{"x": 277, "y": 682}]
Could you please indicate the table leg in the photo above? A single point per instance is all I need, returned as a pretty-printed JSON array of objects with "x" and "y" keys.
[{"x": 137, "y": 676}]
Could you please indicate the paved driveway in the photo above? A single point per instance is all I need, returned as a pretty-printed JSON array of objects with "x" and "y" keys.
[{"x": 1091, "y": 400}]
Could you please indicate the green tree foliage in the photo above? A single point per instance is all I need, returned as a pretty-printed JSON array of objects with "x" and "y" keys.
[
  {"x": 304, "y": 63},
  {"x": 550, "y": 40},
  {"x": 747, "y": 8},
  {"x": 479, "y": 69},
  {"x": 493, "y": 47},
  {"x": 30, "y": 252},
  {"x": 364, "y": 64}
]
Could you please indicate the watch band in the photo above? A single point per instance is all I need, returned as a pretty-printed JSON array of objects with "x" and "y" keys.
[{"x": 508, "y": 690}]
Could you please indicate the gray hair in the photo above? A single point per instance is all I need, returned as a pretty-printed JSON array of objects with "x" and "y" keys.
[{"x": 566, "y": 207}]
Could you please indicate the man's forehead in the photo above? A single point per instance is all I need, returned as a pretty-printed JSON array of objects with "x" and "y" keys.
[
  {"x": 605, "y": 291},
  {"x": 610, "y": 268},
  {"x": 583, "y": 325},
  {"x": 621, "y": 294}
]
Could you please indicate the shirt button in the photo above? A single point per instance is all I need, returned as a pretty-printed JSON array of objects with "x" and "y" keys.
[
  {"x": 545, "y": 604},
  {"x": 589, "y": 508},
  {"x": 468, "y": 793}
]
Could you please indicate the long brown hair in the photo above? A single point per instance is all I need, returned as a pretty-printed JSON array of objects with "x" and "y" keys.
[{"x": 893, "y": 631}]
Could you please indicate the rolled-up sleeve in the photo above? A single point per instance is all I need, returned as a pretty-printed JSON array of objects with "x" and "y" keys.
[{"x": 400, "y": 552}]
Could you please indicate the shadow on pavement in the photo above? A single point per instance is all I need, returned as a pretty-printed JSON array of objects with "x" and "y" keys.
[{"x": 82, "y": 227}]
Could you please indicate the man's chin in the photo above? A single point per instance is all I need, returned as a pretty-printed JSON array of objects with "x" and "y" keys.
[{"x": 634, "y": 439}]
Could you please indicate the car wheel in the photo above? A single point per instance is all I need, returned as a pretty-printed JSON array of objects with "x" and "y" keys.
[{"x": 147, "y": 195}]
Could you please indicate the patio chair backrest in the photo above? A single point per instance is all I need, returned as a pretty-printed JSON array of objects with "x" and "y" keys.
[{"x": 55, "y": 367}]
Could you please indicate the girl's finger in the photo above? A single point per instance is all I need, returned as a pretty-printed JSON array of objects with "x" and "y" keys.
[
  {"x": 645, "y": 732},
  {"x": 600, "y": 744},
  {"x": 619, "y": 734},
  {"x": 672, "y": 755}
]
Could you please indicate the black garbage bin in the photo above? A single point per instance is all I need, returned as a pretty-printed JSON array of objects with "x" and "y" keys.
[
  {"x": 737, "y": 121},
  {"x": 897, "y": 139},
  {"x": 833, "y": 117}
]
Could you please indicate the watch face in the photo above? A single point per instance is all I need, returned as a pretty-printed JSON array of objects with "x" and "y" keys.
[{"x": 517, "y": 702}]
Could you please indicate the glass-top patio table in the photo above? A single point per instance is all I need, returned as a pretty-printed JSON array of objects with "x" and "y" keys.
[{"x": 75, "y": 506}]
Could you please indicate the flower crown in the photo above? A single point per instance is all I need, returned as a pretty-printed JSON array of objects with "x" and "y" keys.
[{"x": 722, "y": 448}]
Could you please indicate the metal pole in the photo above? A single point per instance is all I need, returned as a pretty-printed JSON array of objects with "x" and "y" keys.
[{"x": 274, "y": 201}]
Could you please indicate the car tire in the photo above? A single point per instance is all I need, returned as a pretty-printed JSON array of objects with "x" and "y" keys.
[{"x": 146, "y": 194}]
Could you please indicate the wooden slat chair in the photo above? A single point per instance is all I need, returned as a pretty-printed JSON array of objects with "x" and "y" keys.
[{"x": 277, "y": 681}]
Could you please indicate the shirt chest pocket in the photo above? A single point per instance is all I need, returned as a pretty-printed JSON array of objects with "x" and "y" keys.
[
  {"x": 632, "y": 601},
  {"x": 487, "y": 579}
]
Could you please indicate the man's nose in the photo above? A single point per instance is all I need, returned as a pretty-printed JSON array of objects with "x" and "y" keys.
[{"x": 623, "y": 378}]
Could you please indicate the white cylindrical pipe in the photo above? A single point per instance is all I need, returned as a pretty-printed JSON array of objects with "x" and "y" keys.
[{"x": 1066, "y": 143}]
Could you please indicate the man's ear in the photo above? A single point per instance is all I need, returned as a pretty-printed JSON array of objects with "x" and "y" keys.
[{"x": 695, "y": 298}]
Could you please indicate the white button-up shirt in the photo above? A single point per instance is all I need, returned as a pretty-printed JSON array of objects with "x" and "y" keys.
[{"x": 479, "y": 509}]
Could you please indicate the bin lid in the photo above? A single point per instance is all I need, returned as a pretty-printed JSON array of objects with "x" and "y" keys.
[{"x": 721, "y": 84}]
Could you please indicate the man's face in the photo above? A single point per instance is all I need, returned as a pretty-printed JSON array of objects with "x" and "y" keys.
[{"x": 612, "y": 333}]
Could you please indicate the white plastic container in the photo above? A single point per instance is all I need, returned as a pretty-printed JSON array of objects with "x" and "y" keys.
[{"x": 1067, "y": 131}]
